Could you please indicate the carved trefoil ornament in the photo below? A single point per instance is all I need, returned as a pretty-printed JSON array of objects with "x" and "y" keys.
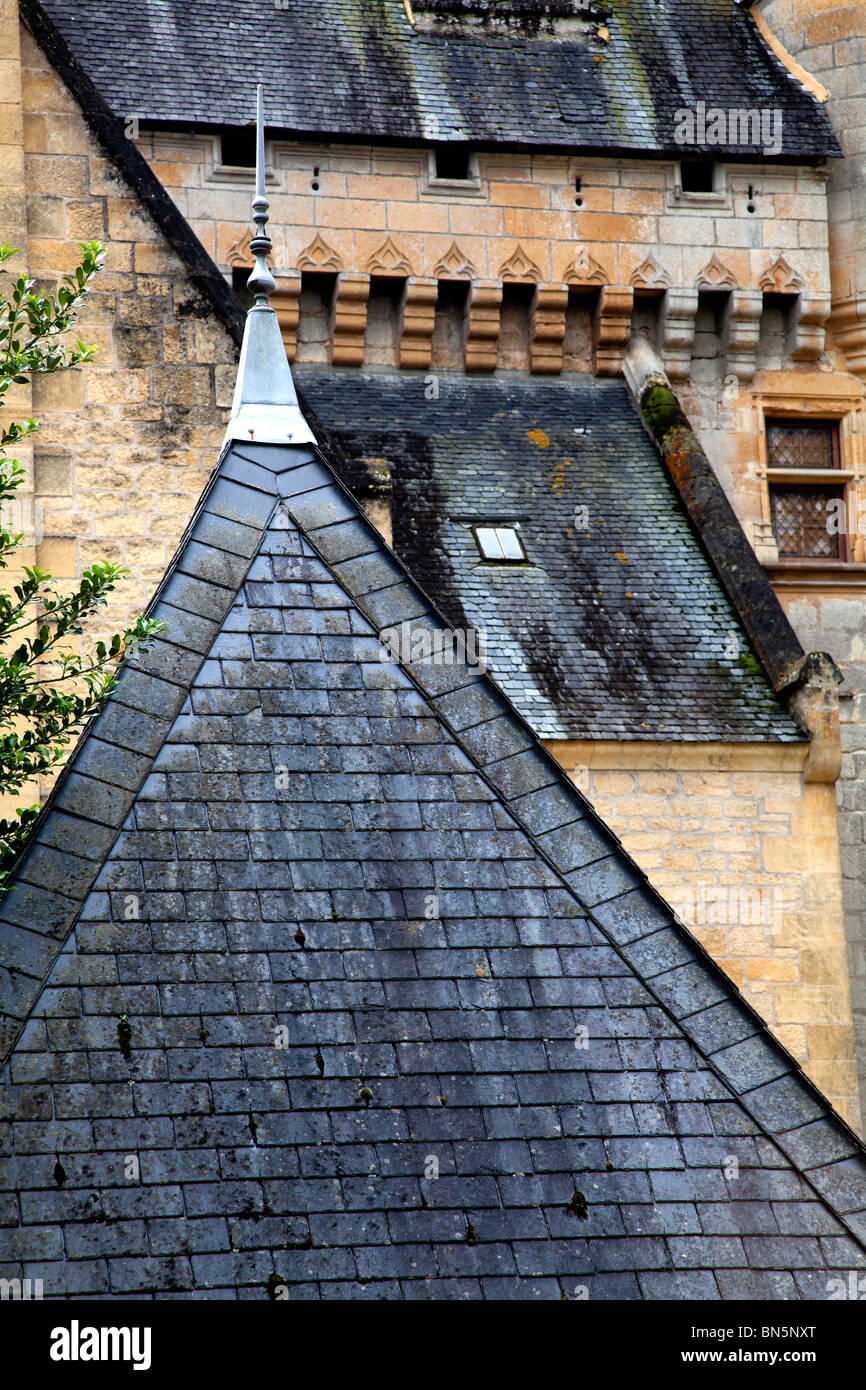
[
  {"x": 716, "y": 276},
  {"x": 520, "y": 266},
  {"x": 240, "y": 256},
  {"x": 389, "y": 260},
  {"x": 585, "y": 270},
  {"x": 649, "y": 275},
  {"x": 781, "y": 278},
  {"x": 321, "y": 257},
  {"x": 454, "y": 265}
]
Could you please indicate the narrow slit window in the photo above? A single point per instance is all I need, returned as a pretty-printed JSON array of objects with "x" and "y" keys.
[{"x": 500, "y": 544}]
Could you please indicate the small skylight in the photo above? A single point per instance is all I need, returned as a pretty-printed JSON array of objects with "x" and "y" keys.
[{"x": 499, "y": 543}]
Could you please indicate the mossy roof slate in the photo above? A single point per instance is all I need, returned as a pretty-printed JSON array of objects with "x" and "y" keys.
[
  {"x": 336, "y": 950},
  {"x": 356, "y": 68},
  {"x": 617, "y": 627}
]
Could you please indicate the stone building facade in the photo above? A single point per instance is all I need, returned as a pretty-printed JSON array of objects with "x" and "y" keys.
[
  {"x": 324, "y": 982},
  {"x": 828, "y": 607},
  {"x": 533, "y": 260}
]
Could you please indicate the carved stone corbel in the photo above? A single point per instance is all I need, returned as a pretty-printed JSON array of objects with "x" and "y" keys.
[
  {"x": 611, "y": 328},
  {"x": 741, "y": 331},
  {"x": 482, "y": 334},
  {"x": 547, "y": 329},
  {"x": 847, "y": 323},
  {"x": 419, "y": 317},
  {"x": 807, "y": 333},
  {"x": 285, "y": 299},
  {"x": 350, "y": 318},
  {"x": 679, "y": 309}
]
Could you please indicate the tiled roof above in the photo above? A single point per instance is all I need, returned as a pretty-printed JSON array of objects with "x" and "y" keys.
[
  {"x": 619, "y": 627},
  {"x": 356, "y": 68},
  {"x": 316, "y": 936}
]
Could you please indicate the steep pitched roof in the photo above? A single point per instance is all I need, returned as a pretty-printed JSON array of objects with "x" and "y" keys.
[
  {"x": 618, "y": 627},
  {"x": 367, "y": 73},
  {"x": 303, "y": 928}
]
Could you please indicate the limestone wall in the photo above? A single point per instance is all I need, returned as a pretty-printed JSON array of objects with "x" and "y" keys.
[
  {"x": 127, "y": 443},
  {"x": 747, "y": 854},
  {"x": 615, "y": 229}
]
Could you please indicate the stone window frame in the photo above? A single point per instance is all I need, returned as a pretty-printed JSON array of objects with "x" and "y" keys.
[
  {"x": 431, "y": 186},
  {"x": 844, "y": 408},
  {"x": 217, "y": 172},
  {"x": 720, "y": 199},
  {"x": 826, "y": 482}
]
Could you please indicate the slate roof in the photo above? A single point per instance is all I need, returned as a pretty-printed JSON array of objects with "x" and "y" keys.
[
  {"x": 617, "y": 628},
  {"x": 301, "y": 927},
  {"x": 366, "y": 73}
]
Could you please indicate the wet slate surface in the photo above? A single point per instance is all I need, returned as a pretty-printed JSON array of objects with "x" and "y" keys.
[
  {"x": 617, "y": 627},
  {"x": 378, "y": 1006},
  {"x": 366, "y": 73}
]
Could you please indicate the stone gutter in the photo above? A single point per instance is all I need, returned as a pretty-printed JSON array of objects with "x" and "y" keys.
[{"x": 807, "y": 683}]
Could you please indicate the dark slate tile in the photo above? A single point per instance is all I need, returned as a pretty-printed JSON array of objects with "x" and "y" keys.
[
  {"x": 784, "y": 1105},
  {"x": 197, "y": 596},
  {"x": 497, "y": 738},
  {"x": 707, "y": 1252},
  {"x": 757, "y": 1285},
  {"x": 606, "y": 878},
  {"x": 344, "y": 540},
  {"x": 95, "y": 800},
  {"x": 522, "y": 773},
  {"x": 149, "y": 693},
  {"x": 186, "y": 632},
  {"x": 721, "y": 1025},
  {"x": 662, "y": 951},
  {"x": 237, "y": 503},
  {"x": 550, "y": 808},
  {"x": 397, "y": 604},
  {"x": 777, "y": 1252},
  {"x": 73, "y": 835},
  {"x": 224, "y": 535},
  {"x": 679, "y": 1285},
  {"x": 751, "y": 1063},
  {"x": 29, "y": 952},
  {"x": 272, "y": 457},
  {"x": 51, "y": 869},
  {"x": 573, "y": 846},
  {"x": 213, "y": 565},
  {"x": 821, "y": 1142},
  {"x": 313, "y": 500},
  {"x": 369, "y": 573},
  {"x": 170, "y": 657},
  {"x": 464, "y": 708},
  {"x": 635, "y": 914},
  {"x": 248, "y": 474},
  {"x": 843, "y": 1184},
  {"x": 688, "y": 988}
]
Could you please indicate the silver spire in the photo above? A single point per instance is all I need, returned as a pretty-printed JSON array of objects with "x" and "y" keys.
[
  {"x": 265, "y": 407},
  {"x": 261, "y": 281}
]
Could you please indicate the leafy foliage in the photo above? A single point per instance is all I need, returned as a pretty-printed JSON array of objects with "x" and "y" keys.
[{"x": 48, "y": 692}]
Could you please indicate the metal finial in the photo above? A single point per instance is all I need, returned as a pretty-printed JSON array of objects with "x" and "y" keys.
[{"x": 261, "y": 282}]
